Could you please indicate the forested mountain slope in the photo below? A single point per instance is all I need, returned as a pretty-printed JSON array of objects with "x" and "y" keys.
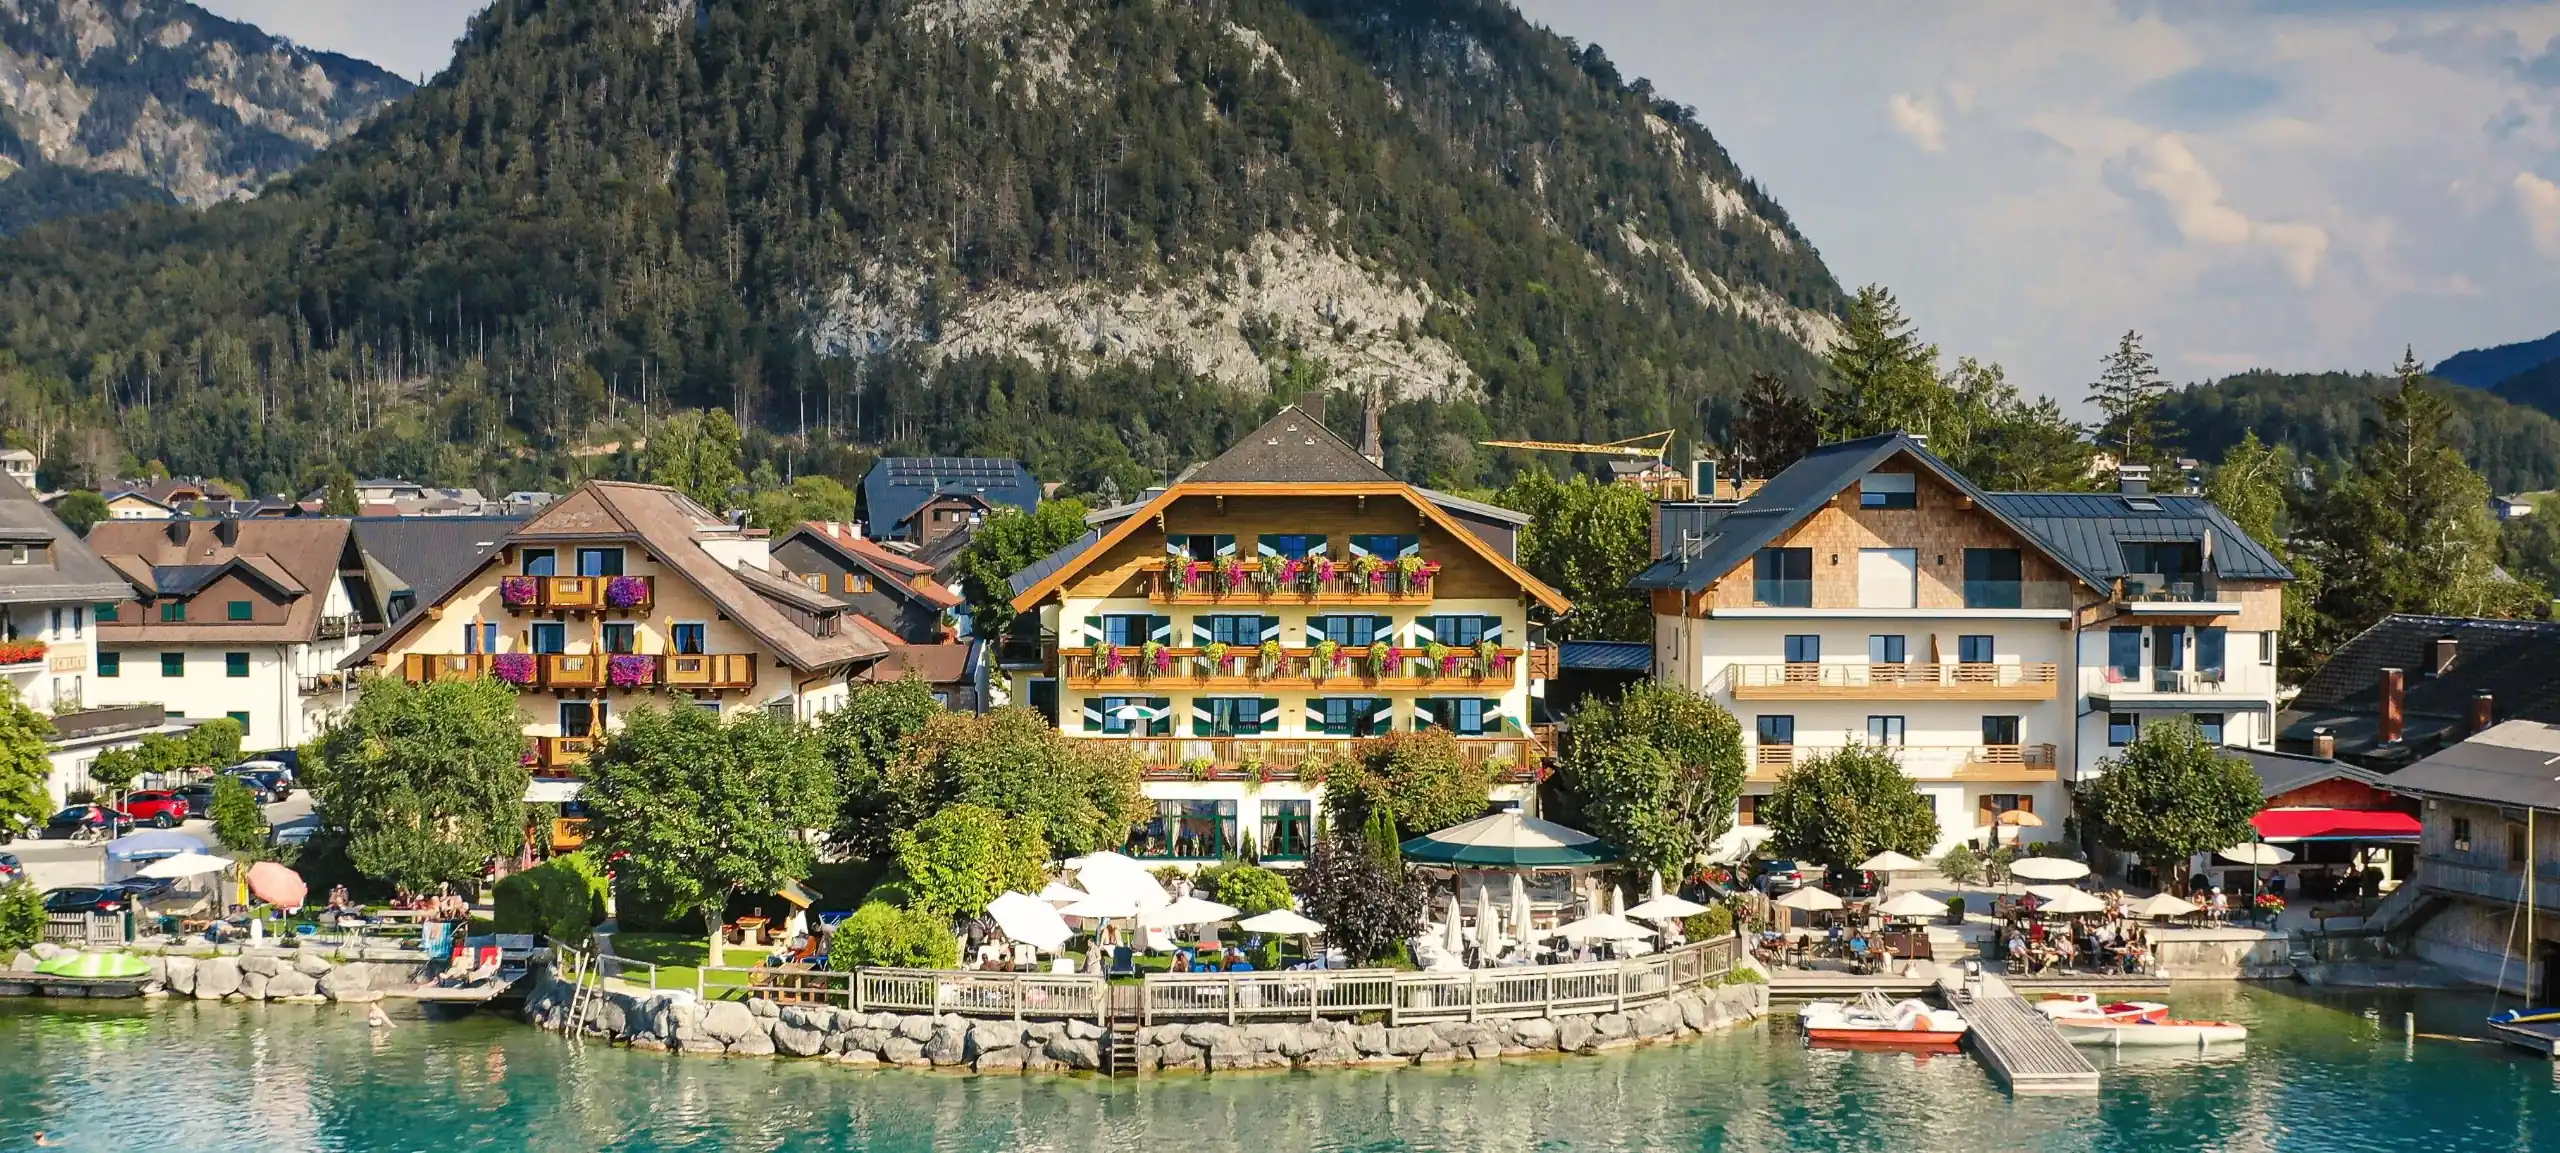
[
  {"x": 2323, "y": 415},
  {"x": 1097, "y": 234}
]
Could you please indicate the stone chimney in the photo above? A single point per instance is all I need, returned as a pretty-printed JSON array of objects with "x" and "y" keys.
[
  {"x": 2133, "y": 479},
  {"x": 2324, "y": 744},
  {"x": 2444, "y": 653},
  {"x": 2484, "y": 712},
  {"x": 2387, "y": 729},
  {"x": 1372, "y": 444},
  {"x": 1312, "y": 404}
]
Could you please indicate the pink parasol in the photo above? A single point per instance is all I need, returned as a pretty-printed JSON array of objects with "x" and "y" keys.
[{"x": 277, "y": 885}]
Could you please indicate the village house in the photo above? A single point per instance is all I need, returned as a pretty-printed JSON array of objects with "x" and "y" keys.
[{"x": 897, "y": 597}]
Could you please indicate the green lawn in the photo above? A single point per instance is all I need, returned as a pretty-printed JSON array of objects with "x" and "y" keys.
[{"x": 679, "y": 958}]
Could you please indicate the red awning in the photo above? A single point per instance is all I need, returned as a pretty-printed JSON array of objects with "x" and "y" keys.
[{"x": 2335, "y": 825}]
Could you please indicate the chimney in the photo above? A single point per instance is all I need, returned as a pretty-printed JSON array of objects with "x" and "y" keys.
[
  {"x": 2484, "y": 712},
  {"x": 2444, "y": 654},
  {"x": 227, "y": 530},
  {"x": 2324, "y": 744},
  {"x": 1372, "y": 445},
  {"x": 2388, "y": 730},
  {"x": 1312, "y": 404},
  {"x": 2133, "y": 479}
]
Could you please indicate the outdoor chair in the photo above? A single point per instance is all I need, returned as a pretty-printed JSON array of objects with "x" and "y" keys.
[{"x": 1123, "y": 963}]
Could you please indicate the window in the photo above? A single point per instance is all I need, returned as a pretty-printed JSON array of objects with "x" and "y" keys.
[
  {"x": 1888, "y": 731},
  {"x": 1994, "y": 578},
  {"x": 110, "y": 664},
  {"x": 242, "y": 719},
  {"x": 1804, "y": 648},
  {"x": 621, "y": 637},
  {"x": 818, "y": 581},
  {"x": 686, "y": 638},
  {"x": 1888, "y": 490},
  {"x": 857, "y": 582},
  {"x": 2266, "y": 648},
  {"x": 1126, "y": 630},
  {"x": 1461, "y": 715},
  {"x": 1885, "y": 649},
  {"x": 2163, "y": 558},
  {"x": 1974, "y": 650},
  {"x": 18, "y": 553},
  {"x": 550, "y": 637},
  {"x": 106, "y": 613},
  {"x": 2168, "y": 657},
  {"x": 173, "y": 664},
  {"x": 2122, "y": 729},
  {"x": 480, "y": 638},
  {"x": 2462, "y": 834},
  {"x": 1286, "y": 825},
  {"x": 173, "y": 611},
  {"x": 1135, "y": 716},
  {"x": 1999, "y": 731},
  {"x": 235, "y": 665},
  {"x": 2210, "y": 646},
  {"x": 599, "y": 562},
  {"x": 2124, "y": 655},
  {"x": 1387, "y": 545},
  {"x": 1460, "y": 631},
  {"x": 1226, "y": 717},
  {"x": 79, "y": 619},
  {"x": 1234, "y": 630},
  {"x": 1186, "y": 831},
  {"x": 2211, "y": 725},
  {"x": 541, "y": 562},
  {"x": 582, "y": 718},
  {"x": 53, "y": 628},
  {"x": 1782, "y": 578},
  {"x": 1292, "y": 545},
  {"x": 1200, "y": 546},
  {"x": 1746, "y": 810},
  {"x": 1777, "y": 730},
  {"x": 238, "y": 611},
  {"x": 1352, "y": 631},
  {"x": 1994, "y": 804},
  {"x": 1356, "y": 717}
]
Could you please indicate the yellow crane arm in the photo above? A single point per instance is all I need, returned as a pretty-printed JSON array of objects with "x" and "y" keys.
[{"x": 1651, "y": 444}]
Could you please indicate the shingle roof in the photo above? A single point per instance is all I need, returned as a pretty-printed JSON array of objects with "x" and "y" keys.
[
  {"x": 2090, "y": 529},
  {"x": 76, "y": 572},
  {"x": 1040, "y": 569},
  {"x": 1605, "y": 656},
  {"x": 2509, "y": 764},
  {"x": 897, "y": 486},
  {"x": 1292, "y": 446},
  {"x": 421, "y": 554},
  {"x": 904, "y": 573},
  {"x": 298, "y": 554},
  {"x": 2280, "y": 773},
  {"x": 2512, "y": 661}
]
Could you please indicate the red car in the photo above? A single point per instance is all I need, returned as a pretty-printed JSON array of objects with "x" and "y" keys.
[{"x": 158, "y": 808}]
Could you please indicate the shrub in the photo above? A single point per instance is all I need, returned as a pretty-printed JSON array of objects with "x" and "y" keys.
[
  {"x": 1251, "y": 889},
  {"x": 1421, "y": 779},
  {"x": 1955, "y": 910},
  {"x": 239, "y": 822},
  {"x": 882, "y": 935},
  {"x": 561, "y": 899},
  {"x": 1961, "y": 864},
  {"x": 21, "y": 917},
  {"x": 1744, "y": 975},
  {"x": 1716, "y": 922},
  {"x": 963, "y": 857}
]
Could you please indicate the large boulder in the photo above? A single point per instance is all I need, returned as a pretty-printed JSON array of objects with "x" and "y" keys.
[
  {"x": 1611, "y": 1026},
  {"x": 1573, "y": 1034},
  {"x": 1006, "y": 1060},
  {"x": 1660, "y": 1019},
  {"x": 753, "y": 1044},
  {"x": 901, "y": 1051},
  {"x": 1693, "y": 1011},
  {"x": 730, "y": 1022},
  {"x": 798, "y": 1040},
  {"x": 947, "y": 1046},
  {"x": 261, "y": 965},
  {"x": 291, "y": 984},
  {"x": 311, "y": 964},
  {"x": 24, "y": 962},
  {"x": 1371, "y": 1040},
  {"x": 46, "y": 951},
  {"x": 1414, "y": 1040},
  {"x": 1534, "y": 1033},
  {"x": 993, "y": 1036},
  {"x": 182, "y": 975},
  {"x": 254, "y": 985},
  {"x": 217, "y": 978},
  {"x": 1084, "y": 1030},
  {"x": 918, "y": 1029},
  {"x": 1074, "y": 1052}
]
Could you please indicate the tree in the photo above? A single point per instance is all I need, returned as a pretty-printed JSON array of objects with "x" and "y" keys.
[
  {"x": 2171, "y": 794},
  {"x": 1007, "y": 542},
  {"x": 696, "y": 808},
  {"x": 1422, "y": 780},
  {"x": 2127, "y": 395},
  {"x": 1368, "y": 905},
  {"x": 2250, "y": 486},
  {"x": 1960, "y": 865},
  {"x": 26, "y": 764},
  {"x": 239, "y": 821},
  {"x": 427, "y": 781},
  {"x": 1082, "y": 797},
  {"x": 1884, "y": 378},
  {"x": 809, "y": 498},
  {"x": 957, "y": 860},
  {"x": 1777, "y": 427},
  {"x": 1841, "y": 807},
  {"x": 21, "y": 917},
  {"x": 882, "y": 935},
  {"x": 212, "y": 744},
  {"x": 338, "y": 497},
  {"x": 1250, "y": 890},
  {"x": 1588, "y": 540},
  {"x": 696, "y": 453},
  {"x": 2001, "y": 441},
  {"x": 862, "y": 742},
  {"x": 80, "y": 511},
  {"x": 562, "y": 898},
  {"x": 1654, "y": 772}
]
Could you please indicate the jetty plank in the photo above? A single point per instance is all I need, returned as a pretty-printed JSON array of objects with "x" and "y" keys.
[{"x": 2021, "y": 1046}]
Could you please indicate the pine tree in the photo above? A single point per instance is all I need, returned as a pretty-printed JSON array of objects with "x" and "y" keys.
[
  {"x": 1777, "y": 427},
  {"x": 2127, "y": 394},
  {"x": 1884, "y": 378}
]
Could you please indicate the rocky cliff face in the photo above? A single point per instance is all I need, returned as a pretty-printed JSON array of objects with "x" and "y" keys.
[{"x": 106, "y": 101}]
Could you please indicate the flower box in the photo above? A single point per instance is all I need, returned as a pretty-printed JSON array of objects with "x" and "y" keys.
[
  {"x": 626, "y": 592},
  {"x": 514, "y": 668},
  {"x": 631, "y": 671},
  {"x": 21, "y": 652}
]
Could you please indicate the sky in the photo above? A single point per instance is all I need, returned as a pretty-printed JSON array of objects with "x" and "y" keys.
[{"x": 2292, "y": 184}]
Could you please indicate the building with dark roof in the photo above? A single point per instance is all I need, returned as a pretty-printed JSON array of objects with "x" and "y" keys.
[
  {"x": 2490, "y": 830},
  {"x": 920, "y": 499},
  {"x": 410, "y": 557},
  {"x": 898, "y": 596},
  {"x": 2411, "y": 685}
]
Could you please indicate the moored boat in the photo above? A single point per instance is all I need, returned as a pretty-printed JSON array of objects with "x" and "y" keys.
[
  {"x": 2186, "y": 1034},
  {"x": 2525, "y": 1017},
  {"x": 2086, "y": 1006},
  {"x": 1872, "y": 1020}
]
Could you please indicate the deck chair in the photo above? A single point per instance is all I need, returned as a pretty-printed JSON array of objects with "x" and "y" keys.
[
  {"x": 1025, "y": 958},
  {"x": 1123, "y": 963},
  {"x": 1159, "y": 941}
]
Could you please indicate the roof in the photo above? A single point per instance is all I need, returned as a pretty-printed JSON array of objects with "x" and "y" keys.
[
  {"x": 2281, "y": 773},
  {"x": 1460, "y": 504},
  {"x": 671, "y": 527},
  {"x": 298, "y": 556},
  {"x": 2512, "y": 661},
  {"x": 906, "y": 573},
  {"x": 897, "y": 486},
  {"x": 419, "y": 554},
  {"x": 940, "y": 664},
  {"x": 2090, "y": 530},
  {"x": 76, "y": 572},
  {"x": 2508, "y": 764},
  {"x": 1066, "y": 555},
  {"x": 1292, "y": 446},
  {"x": 1605, "y": 656},
  {"x": 1797, "y": 493},
  {"x": 2335, "y": 825}
]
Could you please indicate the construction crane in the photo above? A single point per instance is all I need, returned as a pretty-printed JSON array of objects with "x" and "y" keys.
[{"x": 1652, "y": 444}]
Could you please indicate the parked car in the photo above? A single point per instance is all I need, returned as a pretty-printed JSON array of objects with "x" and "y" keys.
[
  {"x": 86, "y": 899},
  {"x": 1851, "y": 884},
  {"x": 296, "y": 834},
  {"x": 289, "y": 759},
  {"x": 12, "y": 870},
  {"x": 78, "y": 820},
  {"x": 1779, "y": 876},
  {"x": 199, "y": 799},
  {"x": 158, "y": 808},
  {"x": 271, "y": 781}
]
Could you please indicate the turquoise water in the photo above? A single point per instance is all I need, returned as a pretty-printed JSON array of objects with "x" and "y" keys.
[{"x": 2321, "y": 1073}]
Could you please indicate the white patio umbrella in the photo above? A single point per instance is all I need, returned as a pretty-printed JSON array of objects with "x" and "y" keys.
[
  {"x": 187, "y": 864},
  {"x": 1735, "y": 846},
  {"x": 1520, "y": 909},
  {"x": 1454, "y": 939},
  {"x": 2047, "y": 869},
  {"x": 1890, "y": 862},
  {"x": 1912, "y": 903},
  {"x": 1281, "y": 923},
  {"x": 1810, "y": 899},
  {"x": 2160, "y": 905},
  {"x": 1604, "y": 927},
  {"x": 1187, "y": 911},
  {"x": 1101, "y": 907},
  {"x": 2064, "y": 901},
  {"x": 1659, "y": 906},
  {"x": 1061, "y": 893},
  {"x": 1029, "y": 920},
  {"x": 2254, "y": 853}
]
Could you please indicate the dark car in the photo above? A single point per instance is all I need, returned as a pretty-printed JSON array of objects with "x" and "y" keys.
[
  {"x": 87, "y": 899},
  {"x": 272, "y": 782},
  {"x": 80, "y": 819},
  {"x": 158, "y": 808},
  {"x": 199, "y": 799},
  {"x": 289, "y": 759},
  {"x": 12, "y": 870},
  {"x": 1779, "y": 876},
  {"x": 1851, "y": 884}
]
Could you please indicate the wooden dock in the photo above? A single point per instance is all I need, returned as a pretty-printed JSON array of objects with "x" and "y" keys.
[
  {"x": 508, "y": 981},
  {"x": 2542, "y": 1037},
  {"x": 2020, "y": 1045}
]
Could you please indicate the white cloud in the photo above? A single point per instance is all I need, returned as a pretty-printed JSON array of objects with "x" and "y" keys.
[
  {"x": 1913, "y": 118},
  {"x": 2166, "y": 169},
  {"x": 2539, "y": 200}
]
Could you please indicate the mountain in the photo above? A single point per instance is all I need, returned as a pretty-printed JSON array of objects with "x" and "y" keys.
[
  {"x": 108, "y": 102},
  {"x": 1101, "y": 235},
  {"x": 2322, "y": 415},
  {"x": 2493, "y": 367}
]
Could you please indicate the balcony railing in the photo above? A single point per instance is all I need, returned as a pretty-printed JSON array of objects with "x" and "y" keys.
[
  {"x": 1909, "y": 680},
  {"x": 711, "y": 671},
  {"x": 2019, "y": 594},
  {"x": 2486, "y": 878},
  {"x": 1267, "y": 581},
  {"x": 421, "y": 668},
  {"x": 573, "y": 670},
  {"x": 1782, "y": 594},
  {"x": 2167, "y": 589},
  {"x": 328, "y": 682},
  {"x": 568, "y": 833},
  {"x": 1298, "y": 668},
  {"x": 2237, "y": 680},
  {"x": 342, "y": 625},
  {"x": 556, "y": 756},
  {"x": 1299, "y": 758},
  {"x": 1998, "y": 763},
  {"x": 579, "y": 593}
]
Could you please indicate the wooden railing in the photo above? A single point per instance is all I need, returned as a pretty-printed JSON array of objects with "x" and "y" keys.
[
  {"x": 1168, "y": 582},
  {"x": 562, "y": 752},
  {"x": 573, "y": 670},
  {"x": 577, "y": 593},
  {"x": 2474, "y": 877},
  {"x": 1285, "y": 758},
  {"x": 420, "y": 668},
  {"x": 1953, "y": 762},
  {"x": 1299, "y": 668},
  {"x": 1909, "y": 680},
  {"x": 711, "y": 670}
]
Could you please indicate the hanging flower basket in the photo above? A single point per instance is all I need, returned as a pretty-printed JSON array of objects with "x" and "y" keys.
[
  {"x": 1216, "y": 653},
  {"x": 517, "y": 591},
  {"x": 1323, "y": 664},
  {"x": 21, "y": 652},
  {"x": 1382, "y": 659},
  {"x": 1108, "y": 658},
  {"x": 1489, "y": 659},
  {"x": 1155, "y": 659},
  {"x": 630, "y": 671},
  {"x": 1268, "y": 659},
  {"x": 1443, "y": 660},
  {"x": 625, "y": 592},
  {"x": 1413, "y": 574},
  {"x": 514, "y": 668},
  {"x": 1229, "y": 574}
]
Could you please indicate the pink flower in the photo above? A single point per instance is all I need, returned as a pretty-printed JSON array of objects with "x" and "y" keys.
[
  {"x": 625, "y": 592},
  {"x": 513, "y": 668},
  {"x": 516, "y": 590}
]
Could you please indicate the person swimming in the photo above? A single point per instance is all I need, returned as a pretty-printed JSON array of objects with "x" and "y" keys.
[{"x": 377, "y": 1019}]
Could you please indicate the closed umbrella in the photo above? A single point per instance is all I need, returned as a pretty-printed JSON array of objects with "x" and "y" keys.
[
  {"x": 2048, "y": 869},
  {"x": 1454, "y": 940},
  {"x": 1488, "y": 934},
  {"x": 1520, "y": 909},
  {"x": 187, "y": 864},
  {"x": 1661, "y": 907},
  {"x": 277, "y": 885},
  {"x": 1029, "y": 920}
]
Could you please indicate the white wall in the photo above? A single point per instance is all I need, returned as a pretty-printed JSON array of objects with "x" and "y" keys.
[{"x": 61, "y": 681}]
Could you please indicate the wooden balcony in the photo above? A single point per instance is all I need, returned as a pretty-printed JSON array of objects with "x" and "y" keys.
[
  {"x": 1907, "y": 681},
  {"x": 1517, "y": 757},
  {"x": 1171, "y": 583},
  {"x": 711, "y": 671},
  {"x": 568, "y": 833},
  {"x": 553, "y": 755},
  {"x": 579, "y": 594},
  {"x": 1300, "y": 669},
  {"x": 573, "y": 670},
  {"x": 2001, "y": 764},
  {"x": 421, "y": 668}
]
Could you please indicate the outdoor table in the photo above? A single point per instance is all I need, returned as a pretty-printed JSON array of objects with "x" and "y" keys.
[{"x": 751, "y": 930}]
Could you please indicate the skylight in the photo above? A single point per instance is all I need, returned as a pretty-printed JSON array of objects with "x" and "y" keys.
[{"x": 2141, "y": 504}]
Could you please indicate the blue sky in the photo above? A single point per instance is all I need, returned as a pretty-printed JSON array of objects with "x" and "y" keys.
[{"x": 2298, "y": 184}]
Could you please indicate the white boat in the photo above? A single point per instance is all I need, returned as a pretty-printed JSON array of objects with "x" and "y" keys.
[
  {"x": 1872, "y": 1020},
  {"x": 2086, "y": 1006},
  {"x": 2183, "y": 1034}
]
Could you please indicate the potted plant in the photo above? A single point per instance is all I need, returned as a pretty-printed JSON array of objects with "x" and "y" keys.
[
  {"x": 625, "y": 592},
  {"x": 514, "y": 668},
  {"x": 1106, "y": 656},
  {"x": 1198, "y": 768},
  {"x": 1324, "y": 573},
  {"x": 1489, "y": 659},
  {"x": 1367, "y": 569},
  {"x": 1411, "y": 574},
  {"x": 1266, "y": 576},
  {"x": 2269, "y": 907},
  {"x": 1442, "y": 661},
  {"x": 1322, "y": 666},
  {"x": 630, "y": 670},
  {"x": 1382, "y": 659},
  {"x": 1153, "y": 660},
  {"x": 1216, "y": 652},
  {"x": 517, "y": 591}
]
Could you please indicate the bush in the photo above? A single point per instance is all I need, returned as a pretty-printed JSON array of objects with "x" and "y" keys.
[
  {"x": 1955, "y": 910},
  {"x": 561, "y": 899},
  {"x": 1421, "y": 779},
  {"x": 21, "y": 918},
  {"x": 882, "y": 935},
  {"x": 965, "y": 856},
  {"x": 1251, "y": 889},
  {"x": 1716, "y": 922},
  {"x": 1744, "y": 975},
  {"x": 239, "y": 822}
]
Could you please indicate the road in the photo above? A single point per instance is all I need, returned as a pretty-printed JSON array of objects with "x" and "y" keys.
[{"x": 55, "y": 864}]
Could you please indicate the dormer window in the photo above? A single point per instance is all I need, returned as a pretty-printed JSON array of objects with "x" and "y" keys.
[{"x": 1889, "y": 490}]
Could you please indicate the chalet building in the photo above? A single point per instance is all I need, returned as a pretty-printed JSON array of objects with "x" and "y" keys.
[
  {"x": 2411, "y": 685},
  {"x": 2488, "y": 842},
  {"x": 1249, "y": 623},
  {"x": 237, "y": 617},
  {"x": 2004, "y": 643},
  {"x": 2335, "y": 818},
  {"x": 919, "y": 500},
  {"x": 622, "y": 594},
  {"x": 898, "y": 597}
]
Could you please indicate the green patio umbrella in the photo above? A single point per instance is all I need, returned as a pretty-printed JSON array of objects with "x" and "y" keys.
[
  {"x": 94, "y": 965},
  {"x": 1508, "y": 840}
]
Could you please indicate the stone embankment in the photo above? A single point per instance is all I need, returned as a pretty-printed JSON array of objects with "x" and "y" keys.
[
  {"x": 237, "y": 974},
  {"x": 676, "y": 1022}
]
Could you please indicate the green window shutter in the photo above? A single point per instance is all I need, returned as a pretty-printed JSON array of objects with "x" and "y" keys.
[
  {"x": 1092, "y": 715},
  {"x": 1426, "y": 630},
  {"x": 235, "y": 664},
  {"x": 1162, "y": 725},
  {"x": 239, "y": 610},
  {"x": 1160, "y": 629},
  {"x": 1384, "y": 627},
  {"x": 1092, "y": 633},
  {"x": 1315, "y": 632},
  {"x": 1200, "y": 632},
  {"x": 173, "y": 664},
  {"x": 1204, "y": 723},
  {"x": 1495, "y": 721},
  {"x": 110, "y": 664},
  {"x": 1270, "y": 628},
  {"x": 1226, "y": 544},
  {"x": 1314, "y": 722},
  {"x": 1493, "y": 629},
  {"x": 106, "y": 613},
  {"x": 1382, "y": 714},
  {"x": 243, "y": 719}
]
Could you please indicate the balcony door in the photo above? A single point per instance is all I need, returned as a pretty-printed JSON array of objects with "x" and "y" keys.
[
  {"x": 550, "y": 637},
  {"x": 582, "y": 718},
  {"x": 599, "y": 562},
  {"x": 1999, "y": 731},
  {"x": 1888, "y": 578}
]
